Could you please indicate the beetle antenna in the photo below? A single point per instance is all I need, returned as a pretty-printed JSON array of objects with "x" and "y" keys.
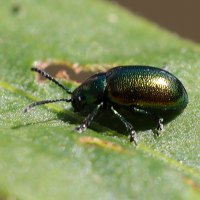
[
  {"x": 44, "y": 102},
  {"x": 46, "y": 75}
]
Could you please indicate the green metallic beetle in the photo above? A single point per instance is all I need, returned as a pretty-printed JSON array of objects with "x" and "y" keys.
[{"x": 134, "y": 88}]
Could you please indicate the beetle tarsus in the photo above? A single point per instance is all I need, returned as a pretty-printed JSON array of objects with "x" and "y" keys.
[
  {"x": 132, "y": 137},
  {"x": 164, "y": 66},
  {"x": 81, "y": 128},
  {"x": 159, "y": 126}
]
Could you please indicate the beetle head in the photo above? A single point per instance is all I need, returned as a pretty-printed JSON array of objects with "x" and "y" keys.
[
  {"x": 78, "y": 99},
  {"x": 89, "y": 92}
]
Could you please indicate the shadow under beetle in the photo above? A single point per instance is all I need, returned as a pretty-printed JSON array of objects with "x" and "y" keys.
[{"x": 134, "y": 88}]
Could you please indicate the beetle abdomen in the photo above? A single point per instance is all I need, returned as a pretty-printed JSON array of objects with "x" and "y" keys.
[{"x": 145, "y": 87}]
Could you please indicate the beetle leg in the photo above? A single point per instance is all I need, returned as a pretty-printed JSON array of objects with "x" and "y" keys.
[
  {"x": 164, "y": 66},
  {"x": 159, "y": 125},
  {"x": 151, "y": 114},
  {"x": 128, "y": 126},
  {"x": 88, "y": 119}
]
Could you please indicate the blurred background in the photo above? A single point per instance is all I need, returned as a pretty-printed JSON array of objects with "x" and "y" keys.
[{"x": 181, "y": 17}]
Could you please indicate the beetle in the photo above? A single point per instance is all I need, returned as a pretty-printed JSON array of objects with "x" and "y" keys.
[{"x": 134, "y": 88}]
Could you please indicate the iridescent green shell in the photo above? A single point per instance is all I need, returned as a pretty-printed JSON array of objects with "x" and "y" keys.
[{"x": 145, "y": 87}]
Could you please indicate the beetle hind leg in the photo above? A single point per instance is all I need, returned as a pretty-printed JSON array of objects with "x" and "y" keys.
[
  {"x": 153, "y": 115},
  {"x": 132, "y": 134},
  {"x": 159, "y": 125},
  {"x": 128, "y": 126}
]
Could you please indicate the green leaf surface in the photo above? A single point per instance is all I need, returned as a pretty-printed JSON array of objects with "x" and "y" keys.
[{"x": 41, "y": 157}]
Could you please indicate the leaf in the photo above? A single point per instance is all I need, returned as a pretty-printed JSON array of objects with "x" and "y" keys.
[{"x": 40, "y": 156}]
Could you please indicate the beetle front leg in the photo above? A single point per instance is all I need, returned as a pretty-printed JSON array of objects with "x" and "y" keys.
[
  {"x": 153, "y": 115},
  {"x": 128, "y": 126},
  {"x": 88, "y": 119}
]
